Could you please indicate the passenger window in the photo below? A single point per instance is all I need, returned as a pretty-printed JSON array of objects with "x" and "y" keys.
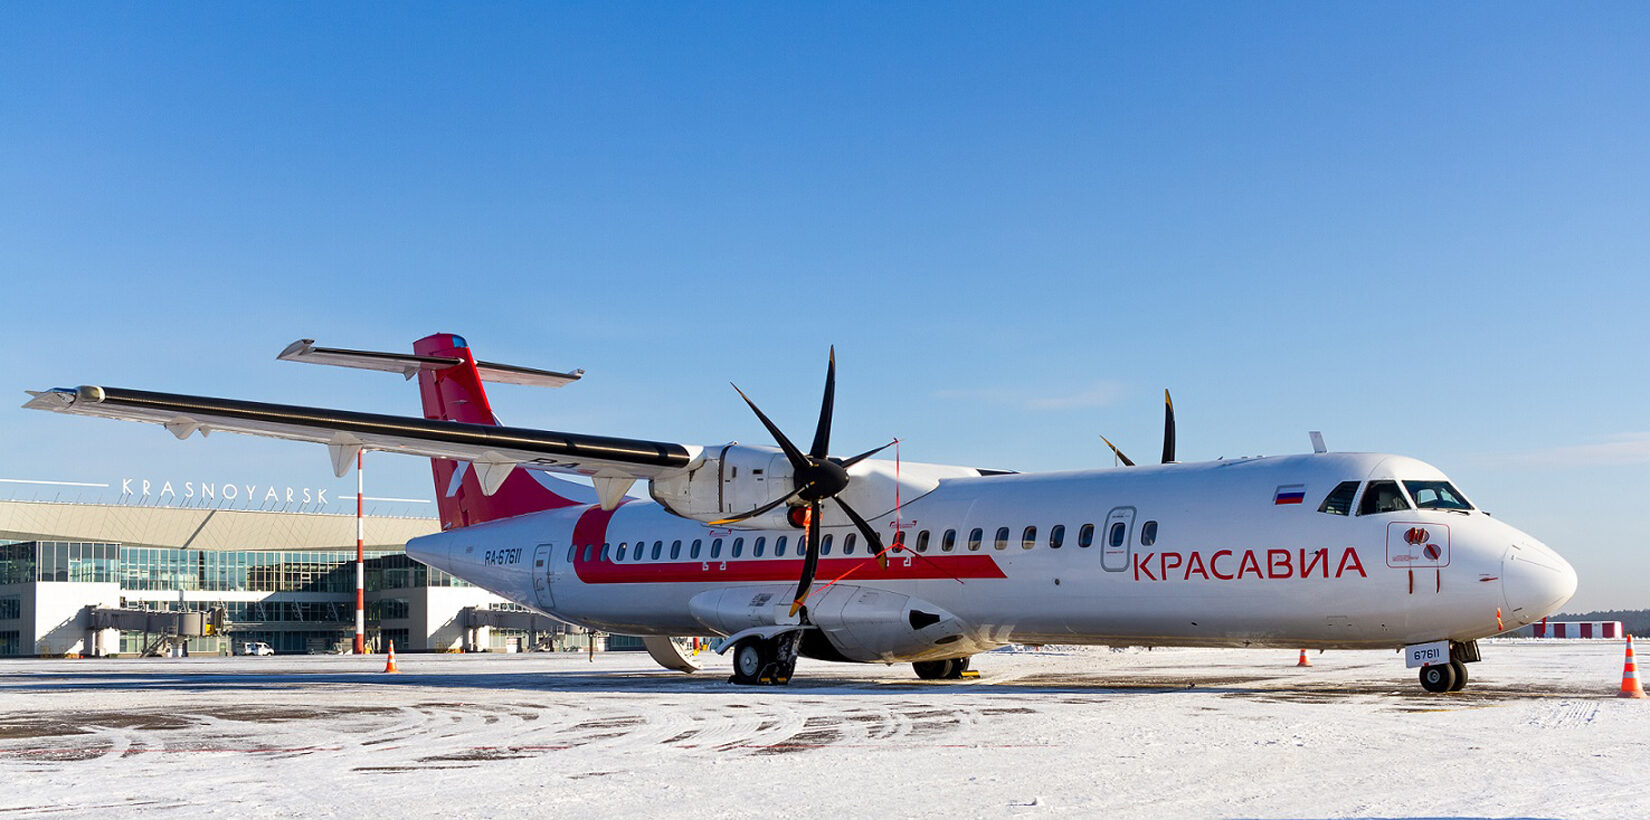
[
  {"x": 1119, "y": 531},
  {"x": 658, "y": 548},
  {"x": 974, "y": 537},
  {"x": 1028, "y": 539},
  {"x": 675, "y": 550},
  {"x": 716, "y": 549},
  {"x": 738, "y": 548},
  {"x": 949, "y": 541},
  {"x": 572, "y": 552},
  {"x": 1339, "y": 500},
  {"x": 1002, "y": 538},
  {"x": 779, "y": 545},
  {"x": 1148, "y": 533},
  {"x": 847, "y": 545},
  {"x": 589, "y": 550},
  {"x": 922, "y": 541},
  {"x": 899, "y": 540},
  {"x": 1085, "y": 536},
  {"x": 1382, "y": 497},
  {"x": 607, "y": 552},
  {"x": 622, "y": 546},
  {"x": 825, "y": 544},
  {"x": 1056, "y": 536},
  {"x": 759, "y": 547},
  {"x": 693, "y": 552},
  {"x": 640, "y": 550}
]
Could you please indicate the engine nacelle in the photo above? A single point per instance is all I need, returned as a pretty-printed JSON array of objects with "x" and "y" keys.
[
  {"x": 862, "y": 623},
  {"x": 729, "y": 480},
  {"x": 738, "y": 478}
]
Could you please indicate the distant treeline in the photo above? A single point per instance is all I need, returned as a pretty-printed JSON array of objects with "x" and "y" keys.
[{"x": 1635, "y": 621}]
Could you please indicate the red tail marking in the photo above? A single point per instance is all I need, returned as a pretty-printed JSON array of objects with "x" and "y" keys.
[{"x": 455, "y": 394}]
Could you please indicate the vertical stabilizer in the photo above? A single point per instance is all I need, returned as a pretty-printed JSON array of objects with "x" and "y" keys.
[{"x": 455, "y": 394}]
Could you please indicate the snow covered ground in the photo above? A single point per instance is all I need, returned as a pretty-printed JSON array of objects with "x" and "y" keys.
[{"x": 1082, "y": 732}]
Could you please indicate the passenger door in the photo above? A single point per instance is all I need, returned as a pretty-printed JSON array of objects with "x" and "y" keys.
[
  {"x": 543, "y": 559},
  {"x": 1116, "y": 538}
]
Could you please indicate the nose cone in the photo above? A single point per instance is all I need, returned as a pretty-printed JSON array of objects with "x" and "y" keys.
[{"x": 1535, "y": 581}]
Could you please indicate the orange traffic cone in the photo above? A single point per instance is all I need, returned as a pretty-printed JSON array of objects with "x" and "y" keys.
[
  {"x": 1630, "y": 686},
  {"x": 390, "y": 666},
  {"x": 1303, "y": 661}
]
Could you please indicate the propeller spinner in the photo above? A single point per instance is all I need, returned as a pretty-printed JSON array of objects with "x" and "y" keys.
[{"x": 817, "y": 478}]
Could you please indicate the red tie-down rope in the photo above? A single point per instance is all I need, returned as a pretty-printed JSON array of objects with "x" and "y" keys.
[{"x": 898, "y": 544}]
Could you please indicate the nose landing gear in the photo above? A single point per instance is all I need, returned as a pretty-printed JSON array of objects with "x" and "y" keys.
[{"x": 1451, "y": 676}]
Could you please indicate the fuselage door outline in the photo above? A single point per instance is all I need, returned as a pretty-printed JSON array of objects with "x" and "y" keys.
[{"x": 1114, "y": 552}]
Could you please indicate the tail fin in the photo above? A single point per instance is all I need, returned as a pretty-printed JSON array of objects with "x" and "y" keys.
[{"x": 455, "y": 394}]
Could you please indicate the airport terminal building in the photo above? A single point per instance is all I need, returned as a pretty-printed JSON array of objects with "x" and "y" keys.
[{"x": 282, "y": 575}]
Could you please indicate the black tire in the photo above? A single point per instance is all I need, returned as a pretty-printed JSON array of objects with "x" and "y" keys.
[
  {"x": 750, "y": 658},
  {"x": 1460, "y": 676},
  {"x": 934, "y": 670},
  {"x": 958, "y": 667},
  {"x": 1438, "y": 677}
]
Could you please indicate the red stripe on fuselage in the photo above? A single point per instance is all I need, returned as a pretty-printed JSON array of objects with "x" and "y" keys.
[
  {"x": 785, "y": 569},
  {"x": 591, "y": 528}
]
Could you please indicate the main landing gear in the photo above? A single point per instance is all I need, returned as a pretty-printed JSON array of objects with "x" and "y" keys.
[
  {"x": 948, "y": 669},
  {"x": 761, "y": 661}
]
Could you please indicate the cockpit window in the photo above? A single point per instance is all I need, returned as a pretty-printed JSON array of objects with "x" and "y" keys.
[
  {"x": 1339, "y": 500},
  {"x": 1436, "y": 495},
  {"x": 1382, "y": 497}
]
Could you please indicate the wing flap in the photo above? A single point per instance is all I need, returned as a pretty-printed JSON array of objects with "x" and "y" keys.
[{"x": 487, "y": 446}]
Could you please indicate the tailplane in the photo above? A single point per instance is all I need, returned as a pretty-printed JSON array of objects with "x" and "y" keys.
[
  {"x": 449, "y": 381},
  {"x": 455, "y": 393}
]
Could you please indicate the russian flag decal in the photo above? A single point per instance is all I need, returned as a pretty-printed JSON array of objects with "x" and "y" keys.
[{"x": 1290, "y": 494}]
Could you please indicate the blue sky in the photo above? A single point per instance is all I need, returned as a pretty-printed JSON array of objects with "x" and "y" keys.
[{"x": 1419, "y": 229}]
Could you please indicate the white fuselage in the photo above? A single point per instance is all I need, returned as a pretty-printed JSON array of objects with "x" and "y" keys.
[{"x": 1217, "y": 553}]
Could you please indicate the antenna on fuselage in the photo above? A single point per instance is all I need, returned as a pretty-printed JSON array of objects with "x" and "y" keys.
[{"x": 1317, "y": 442}]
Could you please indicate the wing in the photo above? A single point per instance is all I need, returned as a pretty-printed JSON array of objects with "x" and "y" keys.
[{"x": 493, "y": 450}]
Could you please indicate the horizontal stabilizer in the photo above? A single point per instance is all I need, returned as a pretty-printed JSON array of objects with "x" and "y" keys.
[{"x": 409, "y": 365}]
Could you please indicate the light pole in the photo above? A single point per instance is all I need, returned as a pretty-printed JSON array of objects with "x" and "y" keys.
[{"x": 360, "y": 557}]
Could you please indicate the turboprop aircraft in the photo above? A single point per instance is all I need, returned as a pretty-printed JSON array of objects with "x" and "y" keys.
[{"x": 782, "y": 550}]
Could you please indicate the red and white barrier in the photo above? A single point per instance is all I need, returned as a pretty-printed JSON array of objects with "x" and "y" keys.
[{"x": 1580, "y": 629}]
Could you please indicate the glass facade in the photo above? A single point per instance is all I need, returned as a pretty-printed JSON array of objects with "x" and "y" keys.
[
  {"x": 272, "y": 577},
  {"x": 57, "y": 561}
]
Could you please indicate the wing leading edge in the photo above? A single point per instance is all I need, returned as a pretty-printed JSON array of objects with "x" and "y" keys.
[{"x": 494, "y": 450}]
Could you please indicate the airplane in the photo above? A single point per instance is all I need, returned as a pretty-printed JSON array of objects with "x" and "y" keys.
[{"x": 782, "y": 551}]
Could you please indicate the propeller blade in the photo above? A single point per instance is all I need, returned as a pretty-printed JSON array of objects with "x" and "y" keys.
[
  {"x": 797, "y": 459},
  {"x": 810, "y": 562},
  {"x": 849, "y": 462},
  {"x": 822, "y": 434},
  {"x": 762, "y": 509},
  {"x": 1168, "y": 428},
  {"x": 1117, "y": 452},
  {"x": 872, "y": 540}
]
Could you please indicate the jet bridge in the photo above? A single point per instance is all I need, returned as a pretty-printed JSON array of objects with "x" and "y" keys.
[{"x": 171, "y": 629}]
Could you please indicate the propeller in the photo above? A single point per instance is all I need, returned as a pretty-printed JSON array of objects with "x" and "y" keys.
[
  {"x": 818, "y": 478},
  {"x": 1168, "y": 428},
  {"x": 1168, "y": 435}
]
